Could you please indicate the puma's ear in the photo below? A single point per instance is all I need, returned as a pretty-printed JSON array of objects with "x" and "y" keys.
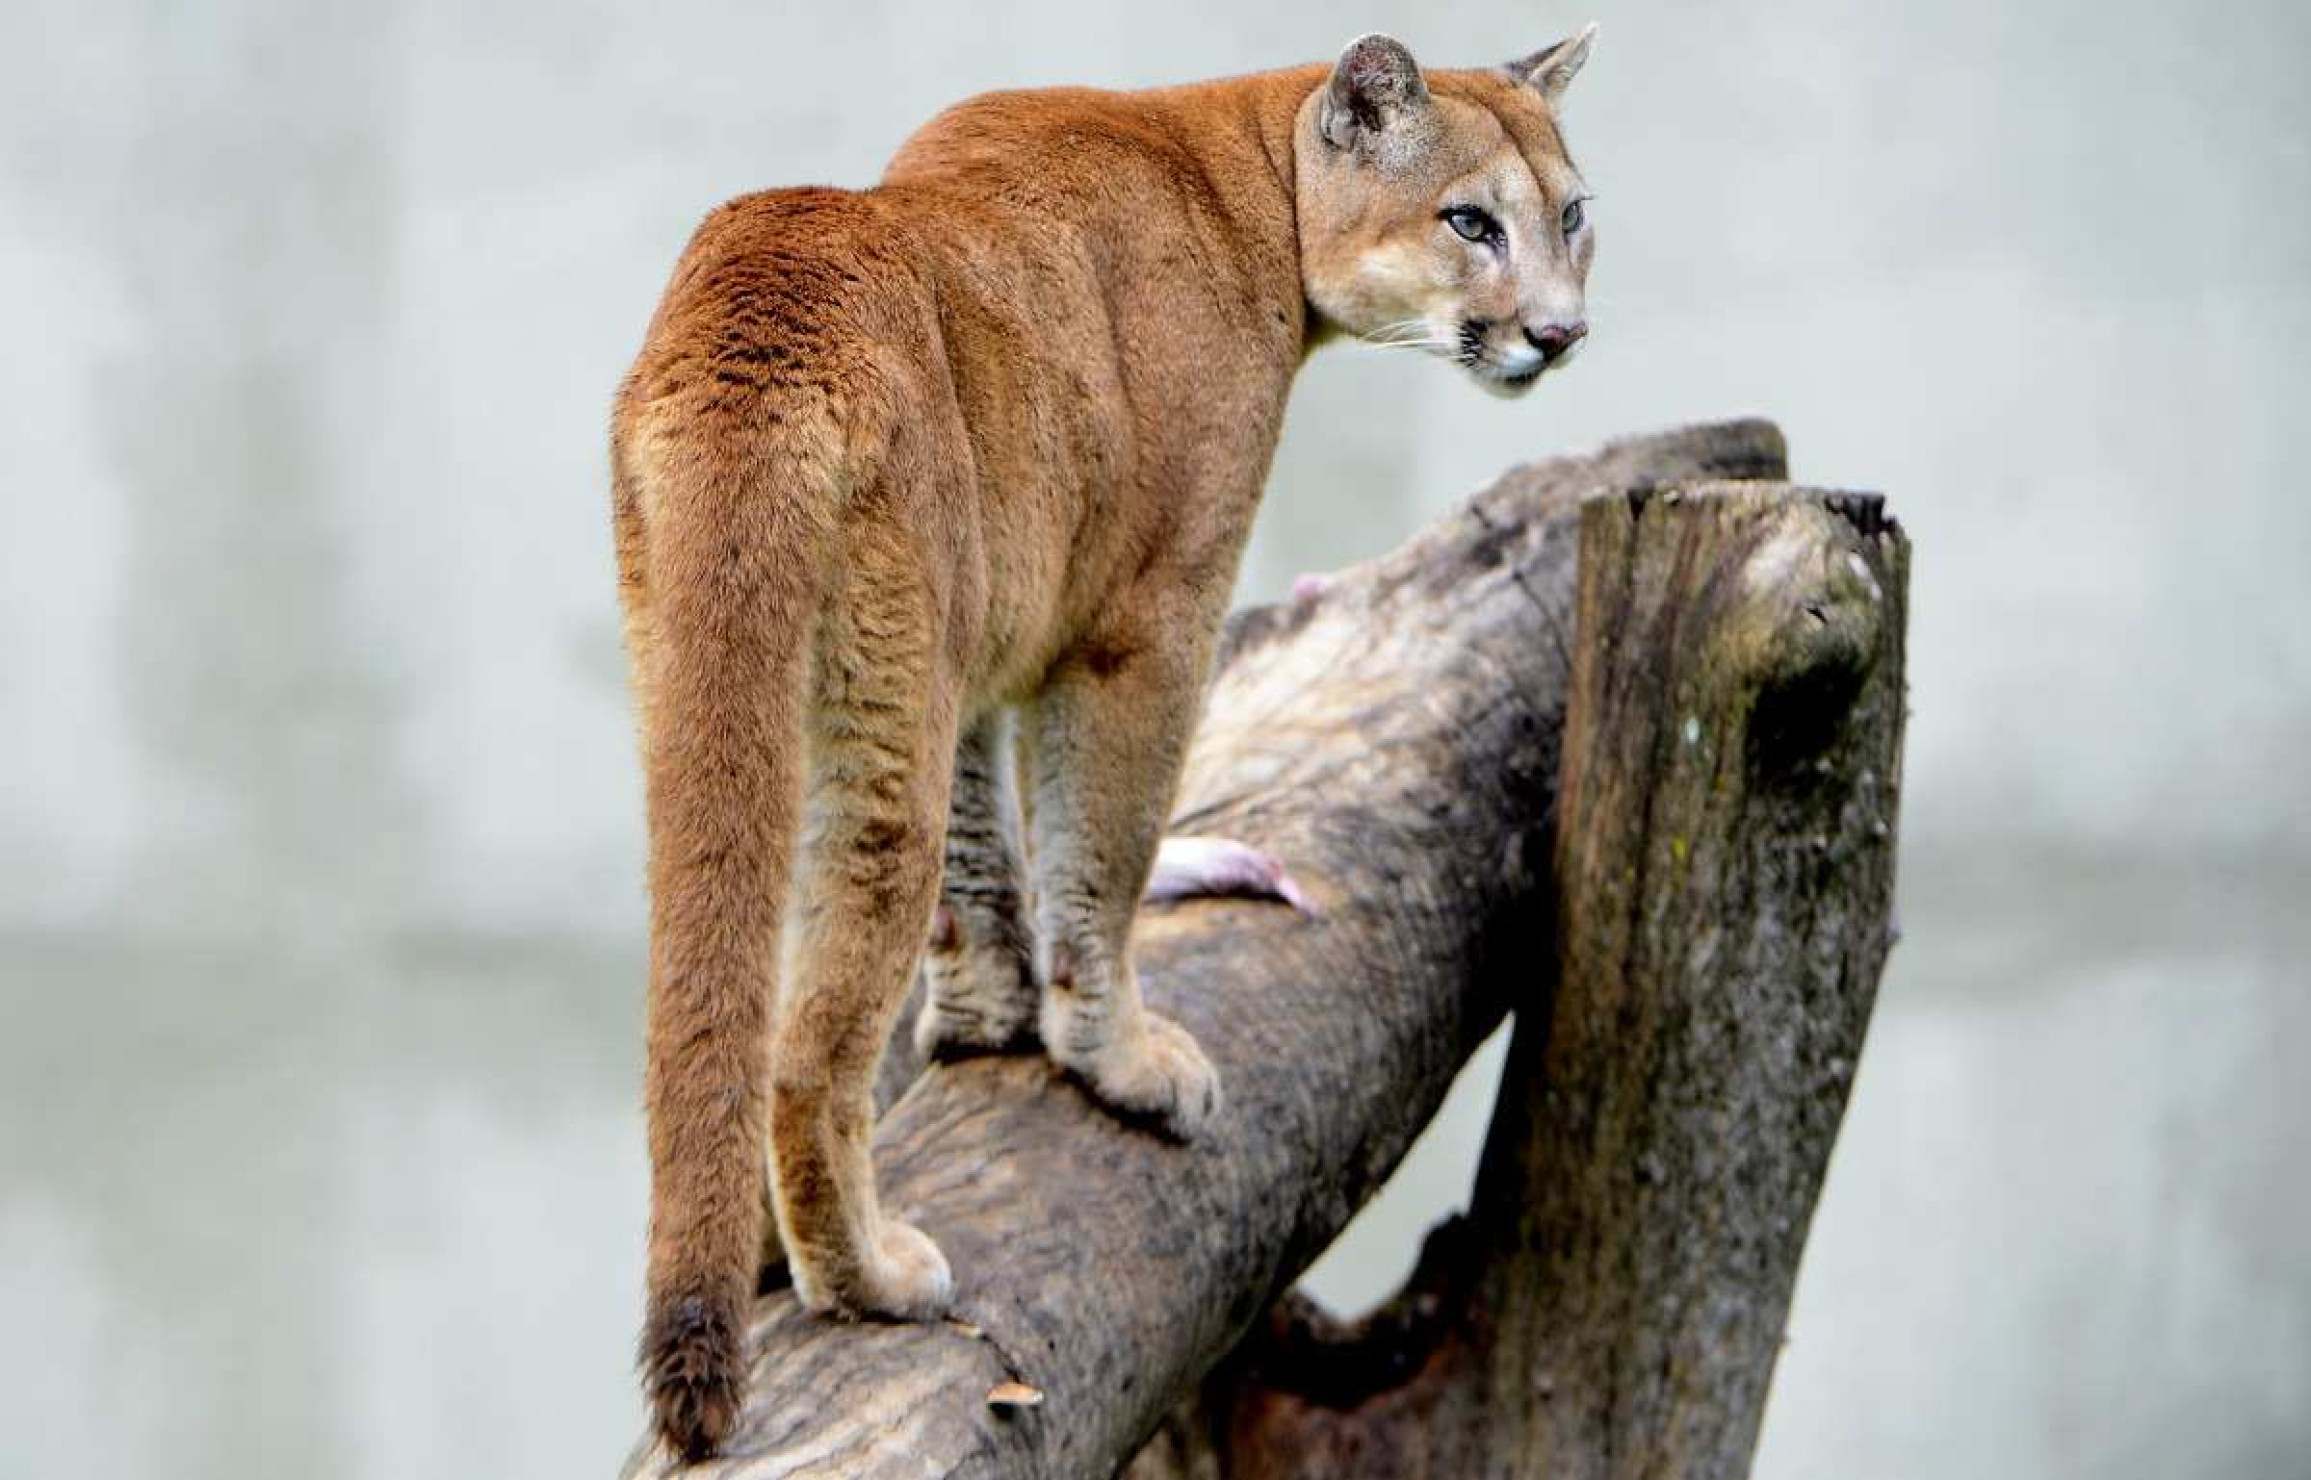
[
  {"x": 1552, "y": 68},
  {"x": 1375, "y": 84}
]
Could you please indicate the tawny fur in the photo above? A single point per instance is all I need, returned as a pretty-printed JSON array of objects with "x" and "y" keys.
[{"x": 902, "y": 473}]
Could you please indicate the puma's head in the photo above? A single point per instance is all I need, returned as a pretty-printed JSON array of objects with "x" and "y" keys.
[{"x": 1442, "y": 212}]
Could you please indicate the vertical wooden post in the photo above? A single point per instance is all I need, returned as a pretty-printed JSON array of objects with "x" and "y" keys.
[{"x": 1725, "y": 866}]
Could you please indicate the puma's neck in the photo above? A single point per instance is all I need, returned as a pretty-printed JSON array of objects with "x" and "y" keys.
[
  {"x": 1243, "y": 131},
  {"x": 1223, "y": 153}
]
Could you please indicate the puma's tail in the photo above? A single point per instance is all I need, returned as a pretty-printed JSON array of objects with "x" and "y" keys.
[{"x": 731, "y": 551}]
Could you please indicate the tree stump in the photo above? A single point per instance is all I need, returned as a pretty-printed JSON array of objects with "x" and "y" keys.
[{"x": 1613, "y": 1302}]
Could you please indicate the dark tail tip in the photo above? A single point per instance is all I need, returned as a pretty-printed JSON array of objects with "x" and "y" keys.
[{"x": 695, "y": 1373}]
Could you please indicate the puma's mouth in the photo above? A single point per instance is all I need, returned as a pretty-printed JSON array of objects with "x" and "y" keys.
[{"x": 1503, "y": 375}]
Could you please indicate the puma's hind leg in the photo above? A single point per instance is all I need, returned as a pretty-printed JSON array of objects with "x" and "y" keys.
[
  {"x": 773, "y": 1272},
  {"x": 1108, "y": 734},
  {"x": 979, "y": 976},
  {"x": 882, "y": 735}
]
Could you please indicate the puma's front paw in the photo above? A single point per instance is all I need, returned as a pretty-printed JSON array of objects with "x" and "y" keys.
[
  {"x": 1158, "y": 1073},
  {"x": 905, "y": 1278},
  {"x": 981, "y": 993},
  {"x": 980, "y": 1000}
]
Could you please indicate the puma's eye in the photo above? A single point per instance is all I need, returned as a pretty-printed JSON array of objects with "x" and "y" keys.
[
  {"x": 1471, "y": 223},
  {"x": 1573, "y": 217}
]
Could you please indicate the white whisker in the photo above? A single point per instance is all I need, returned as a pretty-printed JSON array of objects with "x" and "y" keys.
[
  {"x": 1413, "y": 334},
  {"x": 1404, "y": 334}
]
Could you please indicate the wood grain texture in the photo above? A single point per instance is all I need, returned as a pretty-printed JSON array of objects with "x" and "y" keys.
[{"x": 1396, "y": 740}]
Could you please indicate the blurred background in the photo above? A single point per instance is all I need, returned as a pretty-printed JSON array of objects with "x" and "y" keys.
[{"x": 320, "y": 850}]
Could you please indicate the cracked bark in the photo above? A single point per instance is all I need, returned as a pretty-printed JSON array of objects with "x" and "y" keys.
[{"x": 1612, "y": 1302}]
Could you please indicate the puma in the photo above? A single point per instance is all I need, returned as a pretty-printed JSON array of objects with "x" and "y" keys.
[{"x": 904, "y": 474}]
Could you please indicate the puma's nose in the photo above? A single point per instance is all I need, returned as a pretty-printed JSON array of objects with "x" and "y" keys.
[{"x": 1552, "y": 340}]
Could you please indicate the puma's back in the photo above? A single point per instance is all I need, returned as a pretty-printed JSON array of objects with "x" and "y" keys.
[{"x": 904, "y": 477}]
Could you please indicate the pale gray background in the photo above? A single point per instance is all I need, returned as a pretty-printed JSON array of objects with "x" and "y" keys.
[{"x": 319, "y": 837}]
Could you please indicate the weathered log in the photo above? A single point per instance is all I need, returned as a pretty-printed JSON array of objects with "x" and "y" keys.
[
  {"x": 1614, "y": 1302},
  {"x": 1395, "y": 739}
]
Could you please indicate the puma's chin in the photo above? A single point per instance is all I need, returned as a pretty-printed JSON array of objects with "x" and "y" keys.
[
  {"x": 1511, "y": 379},
  {"x": 1506, "y": 381}
]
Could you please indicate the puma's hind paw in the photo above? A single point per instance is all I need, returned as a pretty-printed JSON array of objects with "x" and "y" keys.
[
  {"x": 908, "y": 1278},
  {"x": 1189, "y": 867},
  {"x": 771, "y": 1272},
  {"x": 903, "y": 1278}
]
